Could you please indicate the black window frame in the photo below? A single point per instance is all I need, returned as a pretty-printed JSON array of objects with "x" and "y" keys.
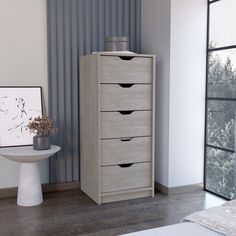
[{"x": 210, "y": 50}]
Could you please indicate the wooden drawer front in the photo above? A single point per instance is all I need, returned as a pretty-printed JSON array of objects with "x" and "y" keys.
[
  {"x": 116, "y": 98},
  {"x": 115, "y": 178},
  {"x": 126, "y": 150},
  {"x": 117, "y": 125},
  {"x": 115, "y": 69}
]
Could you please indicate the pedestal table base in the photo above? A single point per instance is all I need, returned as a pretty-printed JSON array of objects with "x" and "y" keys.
[{"x": 29, "y": 189}]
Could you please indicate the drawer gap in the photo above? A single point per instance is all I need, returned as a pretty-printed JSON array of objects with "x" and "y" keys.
[
  {"x": 125, "y": 58},
  {"x": 128, "y": 112},
  {"x": 126, "y": 85},
  {"x": 125, "y": 165},
  {"x": 126, "y": 137},
  {"x": 132, "y": 190},
  {"x": 118, "y": 164}
]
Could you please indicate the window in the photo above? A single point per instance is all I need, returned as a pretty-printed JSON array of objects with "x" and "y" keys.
[{"x": 221, "y": 99}]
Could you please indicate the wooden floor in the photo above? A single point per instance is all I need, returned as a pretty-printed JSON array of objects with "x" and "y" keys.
[{"x": 73, "y": 213}]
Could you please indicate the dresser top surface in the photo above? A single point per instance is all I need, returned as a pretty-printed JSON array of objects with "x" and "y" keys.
[{"x": 122, "y": 53}]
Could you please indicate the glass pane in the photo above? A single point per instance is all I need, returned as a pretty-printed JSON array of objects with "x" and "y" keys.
[
  {"x": 220, "y": 170},
  {"x": 221, "y": 123},
  {"x": 222, "y": 74},
  {"x": 222, "y": 19}
]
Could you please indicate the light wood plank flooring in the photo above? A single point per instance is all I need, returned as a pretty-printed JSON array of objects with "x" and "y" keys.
[{"x": 73, "y": 213}]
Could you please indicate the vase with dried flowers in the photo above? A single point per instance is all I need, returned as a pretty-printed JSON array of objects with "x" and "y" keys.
[{"x": 43, "y": 127}]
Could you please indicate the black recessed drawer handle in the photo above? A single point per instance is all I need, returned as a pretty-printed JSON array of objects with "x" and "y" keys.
[
  {"x": 126, "y": 58},
  {"x": 126, "y": 85},
  {"x": 125, "y": 139},
  {"x": 125, "y": 112},
  {"x": 125, "y": 165}
]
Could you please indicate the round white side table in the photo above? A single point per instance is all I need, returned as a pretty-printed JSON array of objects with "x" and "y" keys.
[{"x": 29, "y": 188}]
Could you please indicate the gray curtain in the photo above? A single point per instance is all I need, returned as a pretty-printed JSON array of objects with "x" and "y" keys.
[{"x": 76, "y": 28}]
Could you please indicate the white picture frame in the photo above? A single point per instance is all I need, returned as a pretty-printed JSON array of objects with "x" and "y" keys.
[{"x": 17, "y": 105}]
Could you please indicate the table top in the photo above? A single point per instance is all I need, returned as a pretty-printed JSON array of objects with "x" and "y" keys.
[{"x": 27, "y": 154}]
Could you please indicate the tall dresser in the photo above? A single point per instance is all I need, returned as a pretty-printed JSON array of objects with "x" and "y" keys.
[{"x": 117, "y": 126}]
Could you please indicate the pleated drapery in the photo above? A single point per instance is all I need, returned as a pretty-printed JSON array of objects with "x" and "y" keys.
[{"x": 76, "y": 28}]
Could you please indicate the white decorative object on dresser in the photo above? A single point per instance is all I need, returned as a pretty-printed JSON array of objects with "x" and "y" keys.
[{"x": 117, "y": 109}]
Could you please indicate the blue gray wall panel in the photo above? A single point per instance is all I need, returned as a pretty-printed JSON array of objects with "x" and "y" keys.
[{"x": 76, "y": 28}]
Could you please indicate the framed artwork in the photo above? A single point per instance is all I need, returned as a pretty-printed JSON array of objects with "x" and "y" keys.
[{"x": 17, "y": 105}]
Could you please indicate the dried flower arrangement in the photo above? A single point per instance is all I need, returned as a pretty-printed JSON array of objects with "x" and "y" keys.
[{"x": 42, "y": 126}]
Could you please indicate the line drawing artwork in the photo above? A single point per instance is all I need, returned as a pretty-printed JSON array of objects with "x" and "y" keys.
[
  {"x": 19, "y": 119},
  {"x": 17, "y": 105},
  {"x": 2, "y": 102}
]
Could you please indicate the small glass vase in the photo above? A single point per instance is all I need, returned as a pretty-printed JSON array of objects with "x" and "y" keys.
[{"x": 41, "y": 142}]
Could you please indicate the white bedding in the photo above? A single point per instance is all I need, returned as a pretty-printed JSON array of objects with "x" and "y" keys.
[
  {"x": 221, "y": 219},
  {"x": 182, "y": 229},
  {"x": 214, "y": 221}
]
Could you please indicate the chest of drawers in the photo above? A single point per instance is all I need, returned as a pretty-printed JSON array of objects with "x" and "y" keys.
[{"x": 117, "y": 123}]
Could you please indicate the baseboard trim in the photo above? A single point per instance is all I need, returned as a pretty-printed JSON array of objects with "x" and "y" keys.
[
  {"x": 178, "y": 190},
  {"x": 8, "y": 192},
  {"x": 186, "y": 189},
  {"x": 12, "y": 192},
  {"x": 161, "y": 188},
  {"x": 60, "y": 187}
]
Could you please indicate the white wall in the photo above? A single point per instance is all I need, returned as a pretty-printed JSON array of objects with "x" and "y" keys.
[
  {"x": 155, "y": 39},
  {"x": 183, "y": 51},
  {"x": 187, "y": 91},
  {"x": 23, "y": 61}
]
